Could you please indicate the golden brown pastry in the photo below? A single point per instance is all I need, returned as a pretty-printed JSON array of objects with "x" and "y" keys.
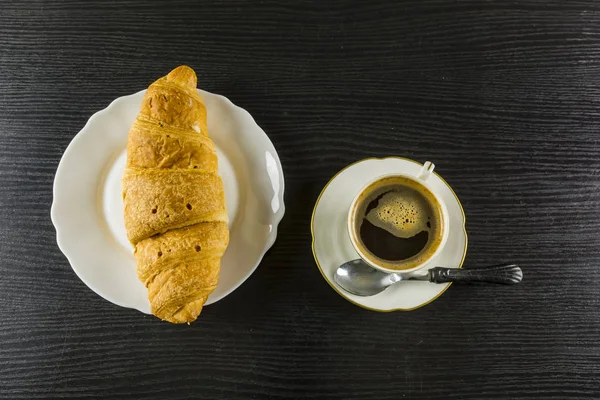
[{"x": 175, "y": 212}]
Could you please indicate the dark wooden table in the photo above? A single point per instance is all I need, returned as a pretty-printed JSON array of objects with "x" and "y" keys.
[{"x": 503, "y": 96}]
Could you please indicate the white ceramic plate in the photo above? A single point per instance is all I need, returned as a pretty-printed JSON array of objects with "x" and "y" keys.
[
  {"x": 87, "y": 210},
  {"x": 332, "y": 246}
]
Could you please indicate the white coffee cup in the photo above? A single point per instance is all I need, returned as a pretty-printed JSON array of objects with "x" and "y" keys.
[{"x": 432, "y": 247}]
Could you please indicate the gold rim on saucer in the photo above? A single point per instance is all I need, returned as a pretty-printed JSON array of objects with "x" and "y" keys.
[{"x": 312, "y": 232}]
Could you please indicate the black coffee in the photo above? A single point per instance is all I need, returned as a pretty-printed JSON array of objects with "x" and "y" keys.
[
  {"x": 390, "y": 247},
  {"x": 399, "y": 219}
]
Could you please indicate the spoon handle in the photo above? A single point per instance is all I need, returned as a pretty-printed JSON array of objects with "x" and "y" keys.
[{"x": 506, "y": 274}]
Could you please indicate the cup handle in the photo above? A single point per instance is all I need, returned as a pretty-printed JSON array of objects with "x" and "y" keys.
[{"x": 426, "y": 171}]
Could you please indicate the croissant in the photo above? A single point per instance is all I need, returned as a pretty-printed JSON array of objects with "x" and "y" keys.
[{"x": 175, "y": 213}]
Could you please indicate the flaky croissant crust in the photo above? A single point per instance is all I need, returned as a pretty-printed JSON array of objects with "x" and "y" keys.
[{"x": 174, "y": 199}]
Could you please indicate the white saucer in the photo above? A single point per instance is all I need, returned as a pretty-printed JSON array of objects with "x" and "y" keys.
[
  {"x": 331, "y": 244},
  {"x": 87, "y": 210}
]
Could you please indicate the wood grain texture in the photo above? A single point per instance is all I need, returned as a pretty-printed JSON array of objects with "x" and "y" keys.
[{"x": 503, "y": 96}]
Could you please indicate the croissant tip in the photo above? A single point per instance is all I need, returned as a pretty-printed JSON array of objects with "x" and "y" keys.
[{"x": 184, "y": 76}]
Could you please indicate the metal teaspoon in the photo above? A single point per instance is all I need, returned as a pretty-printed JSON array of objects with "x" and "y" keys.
[{"x": 359, "y": 278}]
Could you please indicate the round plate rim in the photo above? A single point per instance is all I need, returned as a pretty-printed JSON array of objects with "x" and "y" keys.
[{"x": 60, "y": 239}]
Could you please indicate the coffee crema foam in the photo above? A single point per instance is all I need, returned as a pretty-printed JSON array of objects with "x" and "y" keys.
[{"x": 402, "y": 213}]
